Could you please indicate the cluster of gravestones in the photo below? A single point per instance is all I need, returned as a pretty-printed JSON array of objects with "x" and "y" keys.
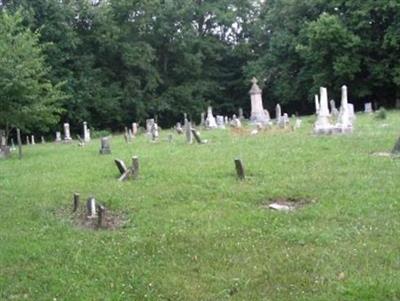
[
  {"x": 93, "y": 209},
  {"x": 261, "y": 118},
  {"x": 334, "y": 121}
]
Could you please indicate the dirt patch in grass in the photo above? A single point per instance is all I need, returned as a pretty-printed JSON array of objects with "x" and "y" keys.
[
  {"x": 111, "y": 220},
  {"x": 287, "y": 203}
]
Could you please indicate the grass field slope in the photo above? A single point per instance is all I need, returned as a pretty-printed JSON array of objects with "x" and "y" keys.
[{"x": 192, "y": 231}]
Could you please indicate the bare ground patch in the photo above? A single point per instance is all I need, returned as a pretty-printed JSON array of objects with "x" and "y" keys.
[{"x": 287, "y": 204}]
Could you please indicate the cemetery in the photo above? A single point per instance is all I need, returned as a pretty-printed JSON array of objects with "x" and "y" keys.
[{"x": 222, "y": 174}]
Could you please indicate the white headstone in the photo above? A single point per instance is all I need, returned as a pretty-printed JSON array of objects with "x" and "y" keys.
[
  {"x": 67, "y": 133},
  {"x": 344, "y": 124},
  {"x": 58, "y": 136},
  {"x": 86, "y": 132},
  {"x": 210, "y": 121},
  {"x": 368, "y": 108},
  {"x": 257, "y": 108},
  {"x": 323, "y": 125},
  {"x": 278, "y": 114},
  {"x": 220, "y": 122},
  {"x": 134, "y": 129}
]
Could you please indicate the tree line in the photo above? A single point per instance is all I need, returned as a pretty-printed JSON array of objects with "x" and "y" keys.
[{"x": 114, "y": 62}]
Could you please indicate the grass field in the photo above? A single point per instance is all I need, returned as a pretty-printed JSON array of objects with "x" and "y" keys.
[{"x": 193, "y": 232}]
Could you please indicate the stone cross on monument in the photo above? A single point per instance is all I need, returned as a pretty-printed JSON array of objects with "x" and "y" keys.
[{"x": 258, "y": 114}]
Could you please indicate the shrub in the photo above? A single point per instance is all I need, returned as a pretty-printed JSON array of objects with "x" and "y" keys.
[{"x": 381, "y": 113}]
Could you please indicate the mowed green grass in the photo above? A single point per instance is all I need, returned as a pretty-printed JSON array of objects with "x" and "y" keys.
[{"x": 196, "y": 233}]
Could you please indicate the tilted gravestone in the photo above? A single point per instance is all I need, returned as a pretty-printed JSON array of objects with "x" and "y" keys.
[{"x": 121, "y": 166}]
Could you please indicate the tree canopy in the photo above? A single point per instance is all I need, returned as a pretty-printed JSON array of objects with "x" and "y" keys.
[{"x": 122, "y": 61}]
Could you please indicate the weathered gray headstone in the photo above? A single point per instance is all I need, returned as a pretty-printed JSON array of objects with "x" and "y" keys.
[
  {"x": 241, "y": 116},
  {"x": 178, "y": 128},
  {"x": 105, "y": 146},
  {"x": 33, "y": 140},
  {"x": 239, "y": 169},
  {"x": 27, "y": 140},
  {"x": 188, "y": 131},
  {"x": 323, "y": 124},
  {"x": 368, "y": 107},
  {"x": 43, "y": 140},
  {"x": 396, "y": 148},
  {"x": 76, "y": 202}
]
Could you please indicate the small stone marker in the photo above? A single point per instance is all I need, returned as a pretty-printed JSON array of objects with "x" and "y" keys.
[
  {"x": 43, "y": 141},
  {"x": 33, "y": 140},
  {"x": 91, "y": 207},
  {"x": 188, "y": 131},
  {"x": 101, "y": 216},
  {"x": 58, "y": 137},
  {"x": 239, "y": 169},
  {"x": 13, "y": 148},
  {"x": 67, "y": 133},
  {"x": 86, "y": 132},
  {"x": 19, "y": 144},
  {"x": 76, "y": 202},
  {"x": 134, "y": 129},
  {"x": 135, "y": 167},
  {"x": 396, "y": 148},
  {"x": 178, "y": 128},
  {"x": 240, "y": 111},
  {"x": 27, "y": 140},
  {"x": 368, "y": 108},
  {"x": 105, "y": 146},
  {"x": 121, "y": 166},
  {"x": 81, "y": 142},
  {"x": 196, "y": 135},
  {"x": 279, "y": 207}
]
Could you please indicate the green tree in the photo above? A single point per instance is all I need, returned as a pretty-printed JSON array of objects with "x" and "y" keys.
[{"x": 28, "y": 100}]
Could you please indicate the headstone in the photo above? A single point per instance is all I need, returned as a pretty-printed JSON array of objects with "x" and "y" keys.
[
  {"x": 13, "y": 148},
  {"x": 76, "y": 202},
  {"x": 91, "y": 207},
  {"x": 344, "y": 124},
  {"x": 43, "y": 140},
  {"x": 105, "y": 146},
  {"x": 236, "y": 123},
  {"x": 4, "y": 148},
  {"x": 241, "y": 116},
  {"x": 101, "y": 220},
  {"x": 285, "y": 120},
  {"x": 210, "y": 120},
  {"x": 149, "y": 126},
  {"x": 220, "y": 122},
  {"x": 202, "y": 119},
  {"x": 178, "y": 128},
  {"x": 58, "y": 136},
  {"x": 239, "y": 169},
  {"x": 368, "y": 107},
  {"x": 323, "y": 125},
  {"x": 278, "y": 115},
  {"x": 334, "y": 110},
  {"x": 19, "y": 141},
  {"x": 81, "y": 141},
  {"x": 67, "y": 133},
  {"x": 188, "y": 131},
  {"x": 33, "y": 140},
  {"x": 298, "y": 123},
  {"x": 257, "y": 109},
  {"x": 352, "y": 114},
  {"x": 396, "y": 148},
  {"x": 121, "y": 166},
  {"x": 196, "y": 135},
  {"x": 154, "y": 132},
  {"x": 134, "y": 129},
  {"x": 226, "y": 120},
  {"x": 317, "y": 104},
  {"x": 86, "y": 133},
  {"x": 27, "y": 140}
]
